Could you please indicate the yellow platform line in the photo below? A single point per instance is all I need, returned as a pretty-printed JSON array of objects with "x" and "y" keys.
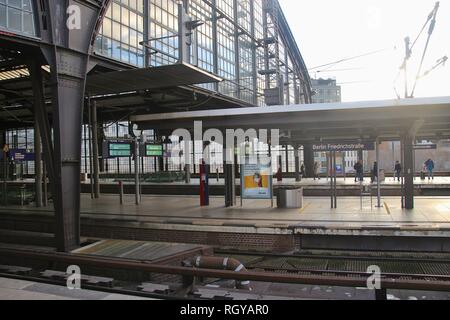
[
  {"x": 387, "y": 208},
  {"x": 304, "y": 207}
]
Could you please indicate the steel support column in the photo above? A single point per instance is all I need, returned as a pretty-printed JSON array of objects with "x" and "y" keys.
[
  {"x": 66, "y": 49},
  {"x": 297, "y": 164},
  {"x": 95, "y": 151},
  {"x": 42, "y": 121},
  {"x": 230, "y": 181},
  {"x": 254, "y": 53},
  {"x": 215, "y": 42},
  {"x": 309, "y": 160},
  {"x": 4, "y": 167},
  {"x": 286, "y": 154},
  {"x": 38, "y": 165},
  {"x": 237, "y": 62},
  {"x": 408, "y": 158},
  {"x": 146, "y": 33},
  {"x": 377, "y": 143}
]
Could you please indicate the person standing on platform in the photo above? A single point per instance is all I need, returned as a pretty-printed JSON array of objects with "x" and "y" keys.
[
  {"x": 398, "y": 171},
  {"x": 316, "y": 171},
  {"x": 279, "y": 175},
  {"x": 429, "y": 164},
  {"x": 375, "y": 172},
  {"x": 359, "y": 171},
  {"x": 302, "y": 171}
]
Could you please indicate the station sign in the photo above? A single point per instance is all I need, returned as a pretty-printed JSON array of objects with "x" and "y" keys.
[
  {"x": 256, "y": 181},
  {"x": 346, "y": 146},
  {"x": 117, "y": 149},
  {"x": 21, "y": 155},
  {"x": 152, "y": 150},
  {"x": 425, "y": 147}
]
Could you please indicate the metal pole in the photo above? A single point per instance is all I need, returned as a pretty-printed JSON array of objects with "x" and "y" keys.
[
  {"x": 297, "y": 164},
  {"x": 95, "y": 150},
  {"x": 329, "y": 168},
  {"x": 344, "y": 165},
  {"x": 44, "y": 174},
  {"x": 91, "y": 178},
  {"x": 409, "y": 172},
  {"x": 136, "y": 171},
  {"x": 38, "y": 164},
  {"x": 286, "y": 151},
  {"x": 121, "y": 192},
  {"x": 335, "y": 180},
  {"x": 378, "y": 174},
  {"x": 402, "y": 156},
  {"x": 5, "y": 178}
]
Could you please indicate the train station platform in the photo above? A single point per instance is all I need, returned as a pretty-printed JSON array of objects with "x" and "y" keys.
[
  {"x": 440, "y": 186},
  {"x": 256, "y": 225},
  {"x": 346, "y": 187}
]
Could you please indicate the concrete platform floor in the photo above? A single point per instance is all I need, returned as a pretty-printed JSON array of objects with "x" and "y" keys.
[
  {"x": 428, "y": 210},
  {"x": 430, "y": 213}
]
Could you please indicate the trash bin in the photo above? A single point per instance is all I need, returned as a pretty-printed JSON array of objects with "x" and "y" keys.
[{"x": 290, "y": 198}]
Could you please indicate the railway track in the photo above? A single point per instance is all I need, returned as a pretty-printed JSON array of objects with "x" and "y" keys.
[
  {"x": 421, "y": 272},
  {"x": 423, "y": 267}
]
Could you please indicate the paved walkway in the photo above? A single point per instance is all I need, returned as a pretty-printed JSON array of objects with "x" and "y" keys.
[
  {"x": 433, "y": 212},
  {"x": 429, "y": 213},
  {"x": 317, "y": 210}
]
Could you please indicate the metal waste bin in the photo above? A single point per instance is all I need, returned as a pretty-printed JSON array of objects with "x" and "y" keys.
[{"x": 290, "y": 198}]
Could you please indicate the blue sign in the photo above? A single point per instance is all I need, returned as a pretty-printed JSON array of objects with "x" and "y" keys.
[
  {"x": 21, "y": 155},
  {"x": 339, "y": 147},
  {"x": 425, "y": 147}
]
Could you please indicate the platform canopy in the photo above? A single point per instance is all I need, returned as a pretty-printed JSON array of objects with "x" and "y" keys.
[
  {"x": 148, "y": 78},
  {"x": 387, "y": 119}
]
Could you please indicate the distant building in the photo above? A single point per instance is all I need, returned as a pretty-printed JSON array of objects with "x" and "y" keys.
[{"x": 326, "y": 91}]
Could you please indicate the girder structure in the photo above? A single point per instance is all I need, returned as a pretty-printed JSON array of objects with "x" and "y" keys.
[
  {"x": 67, "y": 52},
  {"x": 276, "y": 33},
  {"x": 66, "y": 30},
  {"x": 46, "y": 78}
]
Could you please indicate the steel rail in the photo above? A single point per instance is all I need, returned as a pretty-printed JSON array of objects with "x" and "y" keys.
[
  {"x": 109, "y": 263},
  {"x": 333, "y": 257}
]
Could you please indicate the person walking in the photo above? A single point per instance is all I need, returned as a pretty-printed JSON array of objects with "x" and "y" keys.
[
  {"x": 429, "y": 165},
  {"x": 398, "y": 171}
]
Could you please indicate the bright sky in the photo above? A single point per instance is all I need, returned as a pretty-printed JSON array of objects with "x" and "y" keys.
[{"x": 330, "y": 30}]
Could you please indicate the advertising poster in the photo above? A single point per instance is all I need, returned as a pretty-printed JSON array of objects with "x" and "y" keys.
[{"x": 256, "y": 181}]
